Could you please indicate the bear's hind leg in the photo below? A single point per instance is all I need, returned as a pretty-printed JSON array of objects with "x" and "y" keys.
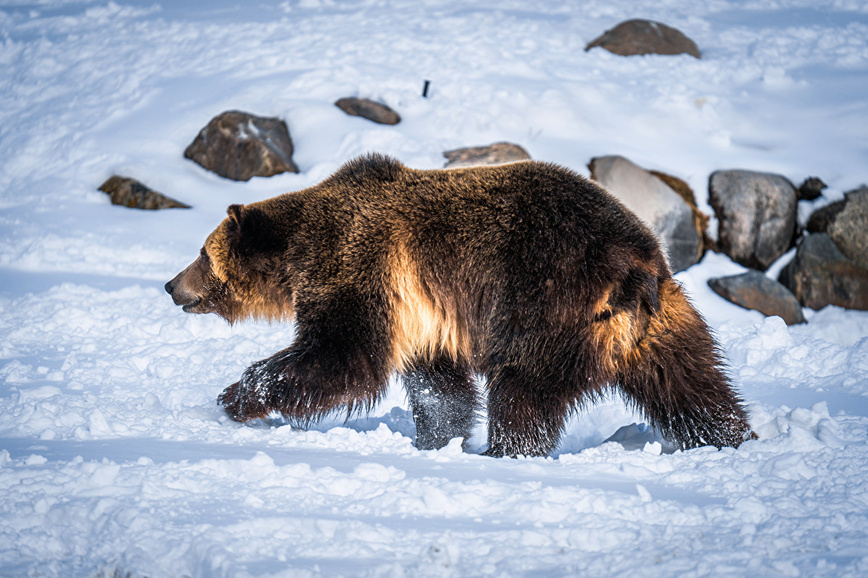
[
  {"x": 443, "y": 401},
  {"x": 675, "y": 376},
  {"x": 523, "y": 418}
]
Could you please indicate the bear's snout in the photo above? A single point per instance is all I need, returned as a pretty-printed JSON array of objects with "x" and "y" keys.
[{"x": 184, "y": 289}]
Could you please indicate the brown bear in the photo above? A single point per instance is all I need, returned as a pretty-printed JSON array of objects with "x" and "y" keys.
[{"x": 525, "y": 273}]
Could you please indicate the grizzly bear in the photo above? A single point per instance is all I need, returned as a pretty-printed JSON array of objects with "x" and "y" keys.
[{"x": 526, "y": 274}]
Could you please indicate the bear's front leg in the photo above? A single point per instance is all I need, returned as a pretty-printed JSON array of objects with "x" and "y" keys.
[{"x": 339, "y": 359}]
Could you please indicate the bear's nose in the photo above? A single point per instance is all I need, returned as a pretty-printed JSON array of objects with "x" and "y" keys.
[{"x": 169, "y": 288}]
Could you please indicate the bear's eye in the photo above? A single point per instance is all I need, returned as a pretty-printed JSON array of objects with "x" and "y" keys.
[{"x": 203, "y": 254}]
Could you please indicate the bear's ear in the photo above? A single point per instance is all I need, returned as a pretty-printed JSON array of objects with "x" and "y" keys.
[
  {"x": 249, "y": 229},
  {"x": 236, "y": 218}
]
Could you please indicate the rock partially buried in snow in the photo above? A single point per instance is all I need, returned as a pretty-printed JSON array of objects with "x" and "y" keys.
[
  {"x": 131, "y": 193},
  {"x": 239, "y": 146},
  {"x": 496, "y": 154},
  {"x": 374, "y": 111},
  {"x": 821, "y": 275},
  {"x": 753, "y": 290},
  {"x": 757, "y": 215},
  {"x": 846, "y": 223},
  {"x": 636, "y": 37},
  {"x": 656, "y": 203}
]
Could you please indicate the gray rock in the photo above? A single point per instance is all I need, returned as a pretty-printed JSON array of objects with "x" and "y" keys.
[
  {"x": 846, "y": 222},
  {"x": 635, "y": 37},
  {"x": 811, "y": 189},
  {"x": 495, "y": 154},
  {"x": 756, "y": 214},
  {"x": 664, "y": 210},
  {"x": 753, "y": 290},
  {"x": 821, "y": 275},
  {"x": 133, "y": 194},
  {"x": 700, "y": 219},
  {"x": 239, "y": 146},
  {"x": 374, "y": 111}
]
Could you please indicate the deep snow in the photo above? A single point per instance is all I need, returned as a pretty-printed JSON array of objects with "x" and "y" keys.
[{"x": 114, "y": 456}]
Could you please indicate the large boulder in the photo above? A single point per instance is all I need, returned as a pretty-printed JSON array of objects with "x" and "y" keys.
[
  {"x": 635, "y": 37},
  {"x": 656, "y": 203},
  {"x": 756, "y": 213},
  {"x": 753, "y": 290},
  {"x": 131, "y": 193},
  {"x": 822, "y": 275},
  {"x": 373, "y": 111},
  {"x": 496, "y": 154},
  {"x": 846, "y": 222},
  {"x": 700, "y": 219},
  {"x": 240, "y": 146}
]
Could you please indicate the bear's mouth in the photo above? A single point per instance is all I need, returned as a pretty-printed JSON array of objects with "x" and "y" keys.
[{"x": 191, "y": 306}]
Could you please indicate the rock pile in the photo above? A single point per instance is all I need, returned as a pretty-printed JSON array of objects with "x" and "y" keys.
[{"x": 758, "y": 223}]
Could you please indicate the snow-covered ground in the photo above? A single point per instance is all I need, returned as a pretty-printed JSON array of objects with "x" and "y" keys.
[{"x": 114, "y": 457}]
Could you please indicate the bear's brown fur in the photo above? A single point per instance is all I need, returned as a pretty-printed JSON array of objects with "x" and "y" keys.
[{"x": 525, "y": 273}]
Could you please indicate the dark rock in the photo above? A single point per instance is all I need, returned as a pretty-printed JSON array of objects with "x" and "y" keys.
[
  {"x": 753, "y": 290},
  {"x": 379, "y": 113},
  {"x": 811, "y": 189},
  {"x": 656, "y": 203},
  {"x": 756, "y": 214},
  {"x": 821, "y": 275},
  {"x": 131, "y": 193},
  {"x": 495, "y": 154},
  {"x": 645, "y": 37},
  {"x": 239, "y": 146},
  {"x": 846, "y": 222}
]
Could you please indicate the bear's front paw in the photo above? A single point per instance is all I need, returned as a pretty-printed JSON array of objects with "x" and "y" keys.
[{"x": 240, "y": 404}]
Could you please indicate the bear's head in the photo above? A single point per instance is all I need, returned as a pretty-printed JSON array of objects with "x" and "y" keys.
[{"x": 237, "y": 273}]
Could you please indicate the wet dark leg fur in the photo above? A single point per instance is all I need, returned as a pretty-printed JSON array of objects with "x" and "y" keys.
[{"x": 443, "y": 401}]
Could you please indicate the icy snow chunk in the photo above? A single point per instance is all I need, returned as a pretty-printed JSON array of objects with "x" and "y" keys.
[
  {"x": 643, "y": 492},
  {"x": 654, "y": 448},
  {"x": 35, "y": 460},
  {"x": 98, "y": 425}
]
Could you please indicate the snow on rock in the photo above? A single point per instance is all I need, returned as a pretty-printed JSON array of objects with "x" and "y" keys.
[{"x": 115, "y": 458}]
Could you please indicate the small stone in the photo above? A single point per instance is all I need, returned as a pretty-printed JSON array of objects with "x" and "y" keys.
[
  {"x": 374, "y": 111},
  {"x": 756, "y": 213},
  {"x": 753, "y": 290},
  {"x": 133, "y": 194},
  {"x": 821, "y": 275},
  {"x": 239, "y": 146},
  {"x": 637, "y": 37},
  {"x": 495, "y": 154},
  {"x": 811, "y": 189}
]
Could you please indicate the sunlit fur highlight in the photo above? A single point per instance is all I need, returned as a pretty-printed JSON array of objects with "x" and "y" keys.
[{"x": 422, "y": 326}]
